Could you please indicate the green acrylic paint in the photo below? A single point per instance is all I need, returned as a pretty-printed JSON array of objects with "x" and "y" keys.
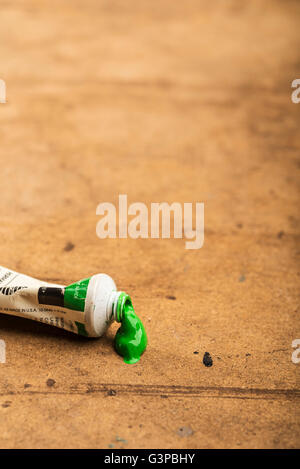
[{"x": 131, "y": 337}]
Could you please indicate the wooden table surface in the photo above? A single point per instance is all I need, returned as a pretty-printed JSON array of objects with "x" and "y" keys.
[{"x": 165, "y": 101}]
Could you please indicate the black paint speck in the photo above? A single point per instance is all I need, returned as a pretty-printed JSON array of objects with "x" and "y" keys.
[
  {"x": 171, "y": 297},
  {"x": 112, "y": 392},
  {"x": 207, "y": 360},
  {"x": 50, "y": 382},
  {"x": 69, "y": 246},
  {"x": 196, "y": 352}
]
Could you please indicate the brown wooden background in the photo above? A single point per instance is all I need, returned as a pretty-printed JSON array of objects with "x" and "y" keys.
[{"x": 164, "y": 101}]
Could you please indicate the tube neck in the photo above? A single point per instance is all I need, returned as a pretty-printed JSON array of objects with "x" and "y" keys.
[{"x": 117, "y": 302}]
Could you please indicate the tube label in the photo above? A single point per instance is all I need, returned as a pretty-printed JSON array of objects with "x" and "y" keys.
[{"x": 56, "y": 305}]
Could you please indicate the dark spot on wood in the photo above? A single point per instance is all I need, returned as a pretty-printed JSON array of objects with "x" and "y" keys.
[
  {"x": 50, "y": 382},
  {"x": 280, "y": 234},
  {"x": 184, "y": 431},
  {"x": 69, "y": 246},
  {"x": 6, "y": 404},
  {"x": 239, "y": 225},
  {"x": 242, "y": 278},
  {"x": 207, "y": 360},
  {"x": 163, "y": 396},
  {"x": 90, "y": 388},
  {"x": 171, "y": 297},
  {"x": 111, "y": 392},
  {"x": 196, "y": 352},
  {"x": 26, "y": 385}
]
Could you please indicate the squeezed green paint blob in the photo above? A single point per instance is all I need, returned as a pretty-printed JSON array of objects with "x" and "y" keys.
[{"x": 131, "y": 337}]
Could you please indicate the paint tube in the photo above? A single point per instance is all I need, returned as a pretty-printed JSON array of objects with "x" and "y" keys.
[{"x": 86, "y": 307}]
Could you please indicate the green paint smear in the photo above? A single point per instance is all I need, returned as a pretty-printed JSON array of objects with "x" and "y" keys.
[{"x": 131, "y": 338}]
